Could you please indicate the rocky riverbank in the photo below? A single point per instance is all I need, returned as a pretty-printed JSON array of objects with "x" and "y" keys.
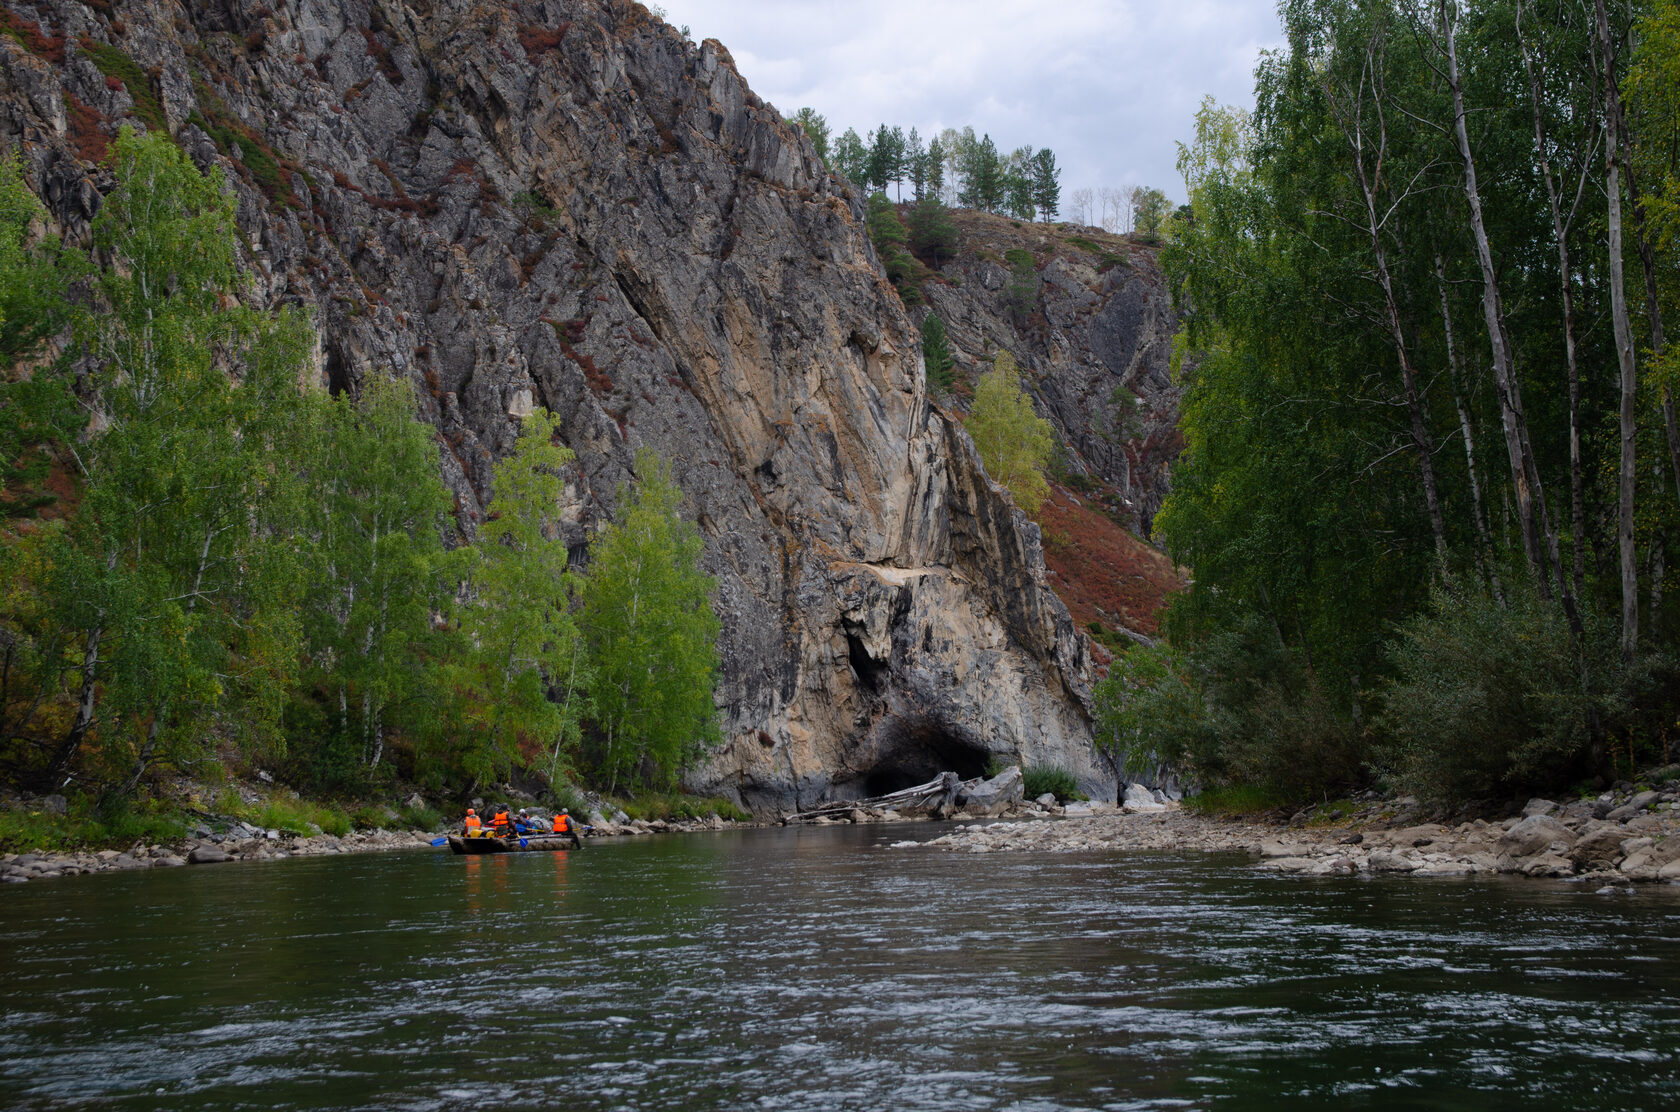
[
  {"x": 1613, "y": 840},
  {"x": 244, "y": 842}
]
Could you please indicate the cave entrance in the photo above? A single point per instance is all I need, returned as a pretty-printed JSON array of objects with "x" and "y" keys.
[{"x": 914, "y": 750}]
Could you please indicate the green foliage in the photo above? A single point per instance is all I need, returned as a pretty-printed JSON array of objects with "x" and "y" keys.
[
  {"x": 377, "y": 572},
  {"x": 1150, "y": 208},
  {"x": 1039, "y": 779},
  {"x": 645, "y": 609},
  {"x": 888, "y": 234},
  {"x": 984, "y": 187},
  {"x": 89, "y": 823},
  {"x": 1234, "y": 799},
  {"x": 174, "y": 580},
  {"x": 815, "y": 127},
  {"x": 933, "y": 235},
  {"x": 521, "y": 620},
  {"x": 936, "y": 354},
  {"x": 851, "y": 157},
  {"x": 112, "y": 62},
  {"x": 1046, "y": 180},
  {"x": 1022, "y": 292},
  {"x": 1487, "y": 699},
  {"x": 1242, "y": 710},
  {"x": 294, "y": 817},
  {"x": 1014, "y": 442},
  {"x": 674, "y": 806}
]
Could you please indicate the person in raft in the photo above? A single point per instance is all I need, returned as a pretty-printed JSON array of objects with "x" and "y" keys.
[
  {"x": 472, "y": 826},
  {"x": 500, "y": 825},
  {"x": 565, "y": 827},
  {"x": 525, "y": 824}
]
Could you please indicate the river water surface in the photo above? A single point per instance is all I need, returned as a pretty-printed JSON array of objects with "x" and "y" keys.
[{"x": 821, "y": 969}]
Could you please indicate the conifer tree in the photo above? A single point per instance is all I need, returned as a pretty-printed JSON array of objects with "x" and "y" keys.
[
  {"x": 933, "y": 235},
  {"x": 936, "y": 354},
  {"x": 1046, "y": 184}
]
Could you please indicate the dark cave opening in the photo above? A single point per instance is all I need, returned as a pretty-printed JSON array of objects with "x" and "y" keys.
[
  {"x": 915, "y": 750},
  {"x": 871, "y": 673}
]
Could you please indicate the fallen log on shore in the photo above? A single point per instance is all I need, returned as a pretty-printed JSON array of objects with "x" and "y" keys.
[{"x": 937, "y": 799}]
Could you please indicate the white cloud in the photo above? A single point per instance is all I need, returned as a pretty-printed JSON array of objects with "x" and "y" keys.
[{"x": 1109, "y": 85}]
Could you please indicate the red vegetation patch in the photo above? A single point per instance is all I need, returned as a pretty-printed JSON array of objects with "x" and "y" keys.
[
  {"x": 87, "y": 135},
  {"x": 537, "y": 41},
  {"x": 41, "y": 43},
  {"x": 1103, "y": 573}
]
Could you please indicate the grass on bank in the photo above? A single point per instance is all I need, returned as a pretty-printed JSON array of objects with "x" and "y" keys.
[
  {"x": 1037, "y": 779},
  {"x": 673, "y": 806},
  {"x": 89, "y": 824}
]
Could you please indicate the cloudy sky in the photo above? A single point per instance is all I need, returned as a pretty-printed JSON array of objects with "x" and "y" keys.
[{"x": 1109, "y": 85}]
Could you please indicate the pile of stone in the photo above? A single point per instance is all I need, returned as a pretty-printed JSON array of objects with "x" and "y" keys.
[{"x": 1614, "y": 839}]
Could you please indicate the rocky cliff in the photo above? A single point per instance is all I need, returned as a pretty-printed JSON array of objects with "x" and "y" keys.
[
  {"x": 1089, "y": 317},
  {"x": 564, "y": 203}
]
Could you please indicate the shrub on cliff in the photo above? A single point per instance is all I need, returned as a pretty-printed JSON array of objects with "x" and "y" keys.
[{"x": 1014, "y": 442}]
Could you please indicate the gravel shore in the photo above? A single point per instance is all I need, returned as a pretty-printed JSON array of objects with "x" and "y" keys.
[{"x": 1614, "y": 840}]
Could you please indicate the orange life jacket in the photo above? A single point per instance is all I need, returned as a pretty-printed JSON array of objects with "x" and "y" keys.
[
  {"x": 500, "y": 822},
  {"x": 473, "y": 824},
  {"x": 561, "y": 824}
]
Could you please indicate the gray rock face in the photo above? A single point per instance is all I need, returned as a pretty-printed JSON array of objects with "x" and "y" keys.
[
  {"x": 1096, "y": 348},
  {"x": 564, "y": 203}
]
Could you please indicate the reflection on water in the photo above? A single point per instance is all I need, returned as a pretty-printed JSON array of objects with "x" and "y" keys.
[{"x": 817, "y": 969}]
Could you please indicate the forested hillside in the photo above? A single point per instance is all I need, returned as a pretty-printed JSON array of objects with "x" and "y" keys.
[{"x": 1431, "y": 466}]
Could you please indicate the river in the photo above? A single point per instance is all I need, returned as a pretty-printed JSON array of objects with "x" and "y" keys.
[{"x": 818, "y": 968}]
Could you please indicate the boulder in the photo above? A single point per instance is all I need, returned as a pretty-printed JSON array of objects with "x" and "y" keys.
[
  {"x": 995, "y": 796},
  {"x": 1598, "y": 849},
  {"x": 54, "y": 804},
  {"x": 1539, "y": 807},
  {"x": 1418, "y": 835},
  {"x": 167, "y": 861},
  {"x": 1140, "y": 798},
  {"x": 1633, "y": 806},
  {"x": 208, "y": 855},
  {"x": 1534, "y": 835},
  {"x": 1387, "y": 861}
]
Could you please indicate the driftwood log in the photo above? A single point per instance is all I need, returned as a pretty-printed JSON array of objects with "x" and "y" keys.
[{"x": 937, "y": 797}]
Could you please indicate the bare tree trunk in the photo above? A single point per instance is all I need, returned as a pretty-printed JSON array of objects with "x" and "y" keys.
[
  {"x": 1539, "y": 542},
  {"x": 1627, "y": 475},
  {"x": 1484, "y": 542},
  {"x": 1560, "y": 235},
  {"x": 58, "y": 769}
]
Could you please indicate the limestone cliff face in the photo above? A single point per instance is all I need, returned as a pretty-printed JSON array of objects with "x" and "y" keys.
[
  {"x": 564, "y": 203},
  {"x": 1093, "y": 333}
]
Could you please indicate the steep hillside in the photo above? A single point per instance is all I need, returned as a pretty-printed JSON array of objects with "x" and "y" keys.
[
  {"x": 1089, "y": 318},
  {"x": 566, "y": 204}
]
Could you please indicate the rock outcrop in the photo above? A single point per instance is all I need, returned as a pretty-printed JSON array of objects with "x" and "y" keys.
[
  {"x": 1090, "y": 319},
  {"x": 565, "y": 203}
]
